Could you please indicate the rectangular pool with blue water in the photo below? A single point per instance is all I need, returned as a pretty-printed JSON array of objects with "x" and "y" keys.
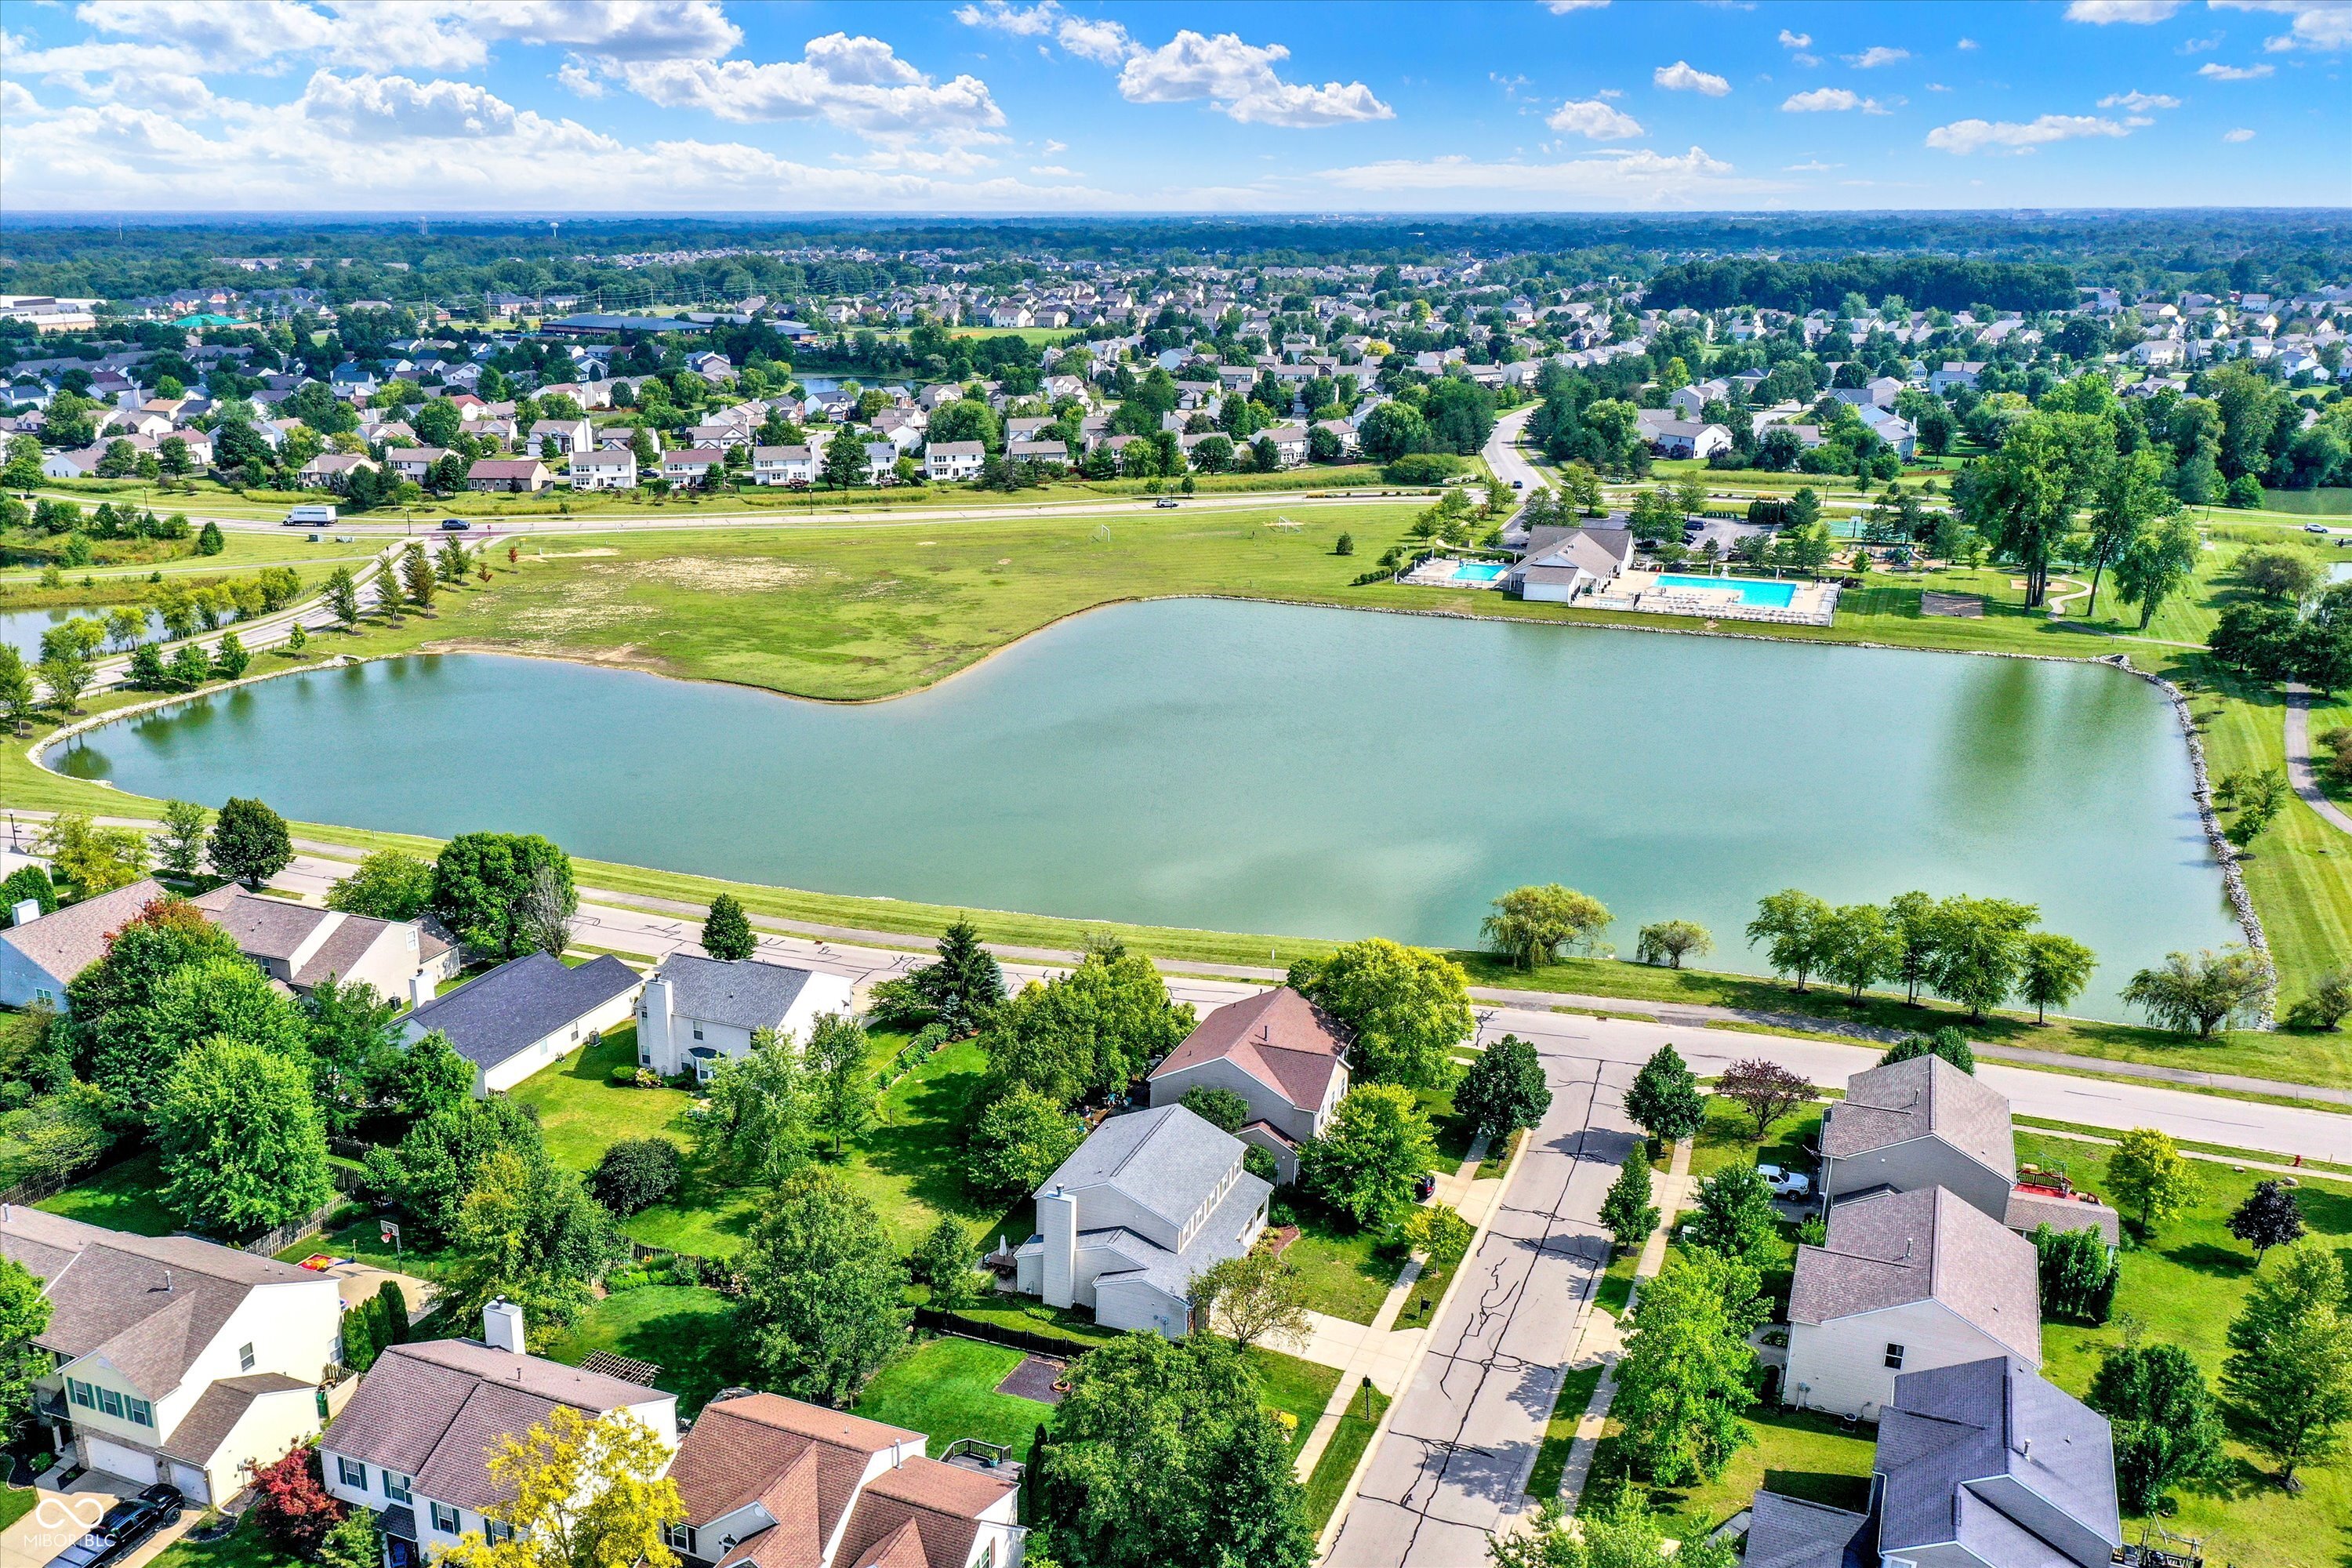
[{"x": 1746, "y": 590}]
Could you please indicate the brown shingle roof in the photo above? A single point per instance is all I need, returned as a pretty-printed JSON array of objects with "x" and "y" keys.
[
  {"x": 1900, "y": 1247},
  {"x": 747, "y": 1450},
  {"x": 1925, "y": 1097},
  {"x": 149, "y": 1305},
  {"x": 941, "y": 1504},
  {"x": 69, "y": 942},
  {"x": 2027, "y": 1210},
  {"x": 1278, "y": 1037}
]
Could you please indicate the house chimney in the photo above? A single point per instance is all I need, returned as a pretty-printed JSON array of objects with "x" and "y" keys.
[
  {"x": 167, "y": 1281},
  {"x": 502, "y": 1326},
  {"x": 24, "y": 911},
  {"x": 420, "y": 989}
]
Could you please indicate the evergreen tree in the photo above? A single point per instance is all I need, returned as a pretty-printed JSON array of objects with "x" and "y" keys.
[
  {"x": 1664, "y": 1100},
  {"x": 727, "y": 930},
  {"x": 965, "y": 983},
  {"x": 1627, "y": 1211}
]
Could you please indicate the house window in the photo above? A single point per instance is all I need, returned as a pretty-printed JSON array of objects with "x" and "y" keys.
[
  {"x": 244, "y": 1358},
  {"x": 681, "y": 1538},
  {"x": 139, "y": 1411},
  {"x": 444, "y": 1518},
  {"x": 498, "y": 1530},
  {"x": 698, "y": 1031},
  {"x": 1895, "y": 1357},
  {"x": 82, "y": 1393},
  {"x": 397, "y": 1487},
  {"x": 351, "y": 1472},
  {"x": 109, "y": 1402}
]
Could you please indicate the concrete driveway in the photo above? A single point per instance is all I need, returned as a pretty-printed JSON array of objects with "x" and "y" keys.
[{"x": 62, "y": 1518}]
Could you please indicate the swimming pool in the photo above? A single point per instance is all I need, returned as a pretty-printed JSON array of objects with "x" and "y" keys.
[
  {"x": 1477, "y": 571},
  {"x": 1746, "y": 590}
]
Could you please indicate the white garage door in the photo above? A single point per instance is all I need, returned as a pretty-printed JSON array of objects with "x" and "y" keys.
[{"x": 117, "y": 1461}]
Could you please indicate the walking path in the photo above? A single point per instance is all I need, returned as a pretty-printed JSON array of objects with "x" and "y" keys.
[
  {"x": 1607, "y": 1344},
  {"x": 2299, "y": 771}
]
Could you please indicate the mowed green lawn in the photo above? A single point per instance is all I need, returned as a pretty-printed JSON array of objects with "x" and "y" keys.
[
  {"x": 946, "y": 1389},
  {"x": 683, "y": 1330},
  {"x": 2184, "y": 1289}
]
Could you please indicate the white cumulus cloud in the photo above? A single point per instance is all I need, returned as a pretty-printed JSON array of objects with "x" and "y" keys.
[
  {"x": 1875, "y": 55},
  {"x": 2106, "y": 11},
  {"x": 2214, "y": 71},
  {"x": 1105, "y": 43},
  {"x": 1021, "y": 21},
  {"x": 1591, "y": 118},
  {"x": 857, "y": 83},
  {"x": 2140, "y": 102},
  {"x": 2240, "y": 135},
  {"x": 1562, "y": 7},
  {"x": 1965, "y": 136},
  {"x": 1682, "y": 77},
  {"x": 1789, "y": 41},
  {"x": 1829, "y": 101},
  {"x": 1240, "y": 79},
  {"x": 2316, "y": 25}
]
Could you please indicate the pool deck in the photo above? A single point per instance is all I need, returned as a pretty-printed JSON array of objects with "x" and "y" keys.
[
  {"x": 1810, "y": 604},
  {"x": 1440, "y": 571}
]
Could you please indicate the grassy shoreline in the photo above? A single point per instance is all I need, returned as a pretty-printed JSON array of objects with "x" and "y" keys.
[{"x": 946, "y": 604}]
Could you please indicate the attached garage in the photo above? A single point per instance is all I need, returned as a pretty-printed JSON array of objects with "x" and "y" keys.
[{"x": 117, "y": 1459}]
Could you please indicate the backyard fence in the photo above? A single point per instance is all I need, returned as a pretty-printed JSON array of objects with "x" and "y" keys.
[
  {"x": 1060, "y": 1347},
  {"x": 49, "y": 1183},
  {"x": 292, "y": 1231}
]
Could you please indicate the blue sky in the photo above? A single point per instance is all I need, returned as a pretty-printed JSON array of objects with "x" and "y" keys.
[{"x": 1062, "y": 105}]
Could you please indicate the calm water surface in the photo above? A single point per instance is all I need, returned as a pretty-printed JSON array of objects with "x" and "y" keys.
[{"x": 1273, "y": 768}]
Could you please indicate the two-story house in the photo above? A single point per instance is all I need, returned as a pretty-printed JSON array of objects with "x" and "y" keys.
[
  {"x": 1915, "y": 1124},
  {"x": 951, "y": 461},
  {"x": 173, "y": 1359},
  {"x": 697, "y": 1011},
  {"x": 1124, "y": 1225},
  {"x": 1281, "y": 1053},
  {"x": 300, "y": 947},
  {"x": 771, "y": 1482},
  {"x": 569, "y": 436},
  {"x": 793, "y": 465},
  {"x": 1904, "y": 1282},
  {"x": 413, "y": 1443},
  {"x": 605, "y": 468}
]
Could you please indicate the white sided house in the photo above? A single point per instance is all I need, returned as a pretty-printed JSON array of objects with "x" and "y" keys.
[
  {"x": 697, "y": 1011},
  {"x": 174, "y": 1359},
  {"x": 413, "y": 1443},
  {"x": 1917, "y": 1124},
  {"x": 1280, "y": 1053},
  {"x": 1149, "y": 1200},
  {"x": 527, "y": 1013},
  {"x": 1903, "y": 1282},
  {"x": 301, "y": 947}
]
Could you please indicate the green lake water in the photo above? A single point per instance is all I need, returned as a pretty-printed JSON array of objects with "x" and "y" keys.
[{"x": 1275, "y": 768}]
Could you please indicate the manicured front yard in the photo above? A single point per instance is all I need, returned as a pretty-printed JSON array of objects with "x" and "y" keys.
[
  {"x": 242, "y": 1548},
  {"x": 1337, "y": 1466},
  {"x": 945, "y": 1388},
  {"x": 1285, "y": 1383},
  {"x": 1796, "y": 1454},
  {"x": 2184, "y": 1289},
  {"x": 681, "y": 1329},
  {"x": 1348, "y": 1273}
]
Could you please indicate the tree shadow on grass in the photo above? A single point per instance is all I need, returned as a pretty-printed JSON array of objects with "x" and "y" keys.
[
  {"x": 1824, "y": 1487},
  {"x": 2207, "y": 1258}
]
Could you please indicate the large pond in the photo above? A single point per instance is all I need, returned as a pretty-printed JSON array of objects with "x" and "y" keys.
[{"x": 1274, "y": 768}]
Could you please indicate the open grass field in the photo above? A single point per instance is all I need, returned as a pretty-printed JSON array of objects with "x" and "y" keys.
[
  {"x": 2184, "y": 1287},
  {"x": 865, "y": 610}
]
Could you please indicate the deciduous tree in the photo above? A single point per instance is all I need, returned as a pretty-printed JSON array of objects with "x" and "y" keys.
[
  {"x": 1405, "y": 1009},
  {"x": 1250, "y": 1297},
  {"x": 821, "y": 1306},
  {"x": 2290, "y": 1367},
  {"x": 1663, "y": 1100},
  {"x": 1765, "y": 1089},
  {"x": 242, "y": 1146},
  {"x": 1627, "y": 1212},
  {"x": 1791, "y": 924},
  {"x": 588, "y": 1493},
  {"x": 180, "y": 847},
  {"x": 482, "y": 881},
  {"x": 2150, "y": 1177},
  {"x": 1671, "y": 942},
  {"x": 2052, "y": 971},
  {"x": 841, "y": 1078},
  {"x": 1504, "y": 1090},
  {"x": 1531, "y": 924},
  {"x": 1017, "y": 1142},
  {"x": 2198, "y": 995},
  {"x": 2269, "y": 1217},
  {"x": 757, "y": 1123},
  {"x": 24, "y": 1313},
  {"x": 1376, "y": 1146},
  {"x": 389, "y": 885},
  {"x": 250, "y": 842},
  {"x": 1683, "y": 1382},
  {"x": 727, "y": 930},
  {"x": 2165, "y": 1423}
]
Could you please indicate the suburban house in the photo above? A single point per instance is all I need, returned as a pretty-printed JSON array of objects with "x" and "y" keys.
[
  {"x": 508, "y": 474},
  {"x": 300, "y": 947},
  {"x": 333, "y": 470},
  {"x": 39, "y": 958},
  {"x": 953, "y": 460},
  {"x": 881, "y": 462},
  {"x": 1145, "y": 1204},
  {"x": 1980, "y": 1465},
  {"x": 412, "y": 463},
  {"x": 783, "y": 465},
  {"x": 605, "y": 468},
  {"x": 771, "y": 1482},
  {"x": 527, "y": 1013},
  {"x": 413, "y": 1442},
  {"x": 1917, "y": 1124},
  {"x": 175, "y": 1359},
  {"x": 1053, "y": 454},
  {"x": 1686, "y": 438},
  {"x": 570, "y": 436},
  {"x": 1279, "y": 1052},
  {"x": 1904, "y": 1282},
  {"x": 688, "y": 464},
  {"x": 1561, "y": 563},
  {"x": 696, "y": 1011}
]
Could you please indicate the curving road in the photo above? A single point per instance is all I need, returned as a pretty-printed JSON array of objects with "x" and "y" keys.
[
  {"x": 1505, "y": 458},
  {"x": 2299, "y": 770}
]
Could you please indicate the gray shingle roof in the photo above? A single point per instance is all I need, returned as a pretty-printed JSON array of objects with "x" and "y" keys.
[
  {"x": 74, "y": 938},
  {"x": 746, "y": 995},
  {"x": 2027, "y": 1210},
  {"x": 493, "y": 1016},
  {"x": 1924, "y": 1097},
  {"x": 1789, "y": 1532},
  {"x": 1167, "y": 1161},
  {"x": 1952, "y": 1429},
  {"x": 1899, "y": 1247}
]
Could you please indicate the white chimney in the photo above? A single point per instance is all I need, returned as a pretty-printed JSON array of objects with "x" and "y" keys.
[
  {"x": 1057, "y": 1223},
  {"x": 502, "y": 1326},
  {"x": 420, "y": 989},
  {"x": 24, "y": 911}
]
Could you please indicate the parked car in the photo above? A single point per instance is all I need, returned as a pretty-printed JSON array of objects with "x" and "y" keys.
[
  {"x": 1783, "y": 1183},
  {"x": 1166, "y": 503},
  {"x": 1424, "y": 1188},
  {"x": 122, "y": 1528},
  {"x": 455, "y": 525}
]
